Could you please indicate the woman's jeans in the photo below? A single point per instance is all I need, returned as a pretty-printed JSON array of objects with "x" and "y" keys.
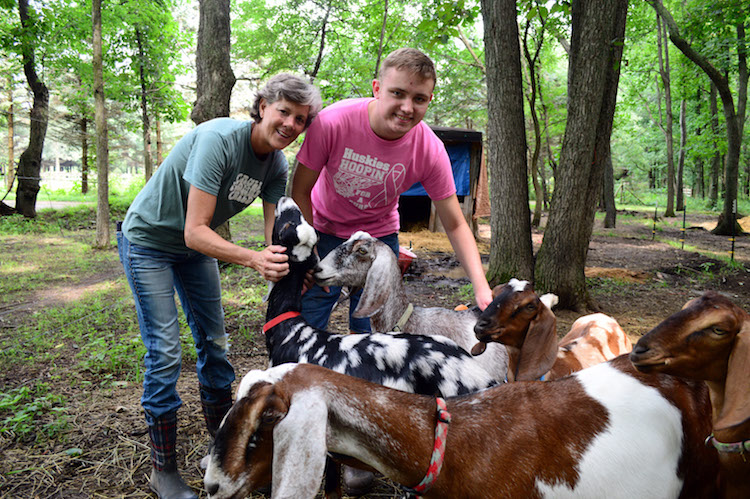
[
  {"x": 154, "y": 276},
  {"x": 317, "y": 305}
]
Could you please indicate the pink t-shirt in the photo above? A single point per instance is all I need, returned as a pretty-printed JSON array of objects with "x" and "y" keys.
[{"x": 362, "y": 175}]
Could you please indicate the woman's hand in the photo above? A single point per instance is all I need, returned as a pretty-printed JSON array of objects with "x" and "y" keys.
[{"x": 271, "y": 262}]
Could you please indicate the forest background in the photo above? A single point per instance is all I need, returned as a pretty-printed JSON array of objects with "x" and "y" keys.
[{"x": 676, "y": 132}]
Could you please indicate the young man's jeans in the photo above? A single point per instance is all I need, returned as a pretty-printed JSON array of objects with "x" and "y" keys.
[
  {"x": 154, "y": 276},
  {"x": 317, "y": 304}
]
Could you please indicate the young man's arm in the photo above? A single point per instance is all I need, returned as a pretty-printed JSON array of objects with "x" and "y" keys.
[
  {"x": 270, "y": 262},
  {"x": 462, "y": 240},
  {"x": 302, "y": 185}
]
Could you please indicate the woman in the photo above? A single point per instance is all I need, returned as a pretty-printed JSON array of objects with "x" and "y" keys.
[{"x": 167, "y": 242}]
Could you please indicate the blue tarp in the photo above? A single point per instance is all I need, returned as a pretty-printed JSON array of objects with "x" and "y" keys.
[{"x": 460, "y": 162}]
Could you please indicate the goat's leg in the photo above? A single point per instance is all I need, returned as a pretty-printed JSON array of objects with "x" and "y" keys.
[{"x": 332, "y": 482}]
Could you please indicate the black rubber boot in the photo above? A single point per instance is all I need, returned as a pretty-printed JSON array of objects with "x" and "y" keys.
[{"x": 165, "y": 480}]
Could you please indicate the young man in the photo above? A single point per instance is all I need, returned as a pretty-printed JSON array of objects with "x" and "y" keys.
[{"x": 360, "y": 155}]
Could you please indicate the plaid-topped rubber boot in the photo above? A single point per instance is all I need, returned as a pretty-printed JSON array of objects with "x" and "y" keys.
[
  {"x": 166, "y": 481},
  {"x": 216, "y": 404}
]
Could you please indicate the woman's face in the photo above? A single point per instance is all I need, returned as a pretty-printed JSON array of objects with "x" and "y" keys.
[{"x": 280, "y": 123}]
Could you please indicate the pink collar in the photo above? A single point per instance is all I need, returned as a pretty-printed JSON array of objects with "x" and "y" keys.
[
  {"x": 278, "y": 319},
  {"x": 438, "y": 452}
]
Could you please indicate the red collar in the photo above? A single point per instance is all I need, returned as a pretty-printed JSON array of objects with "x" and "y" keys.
[
  {"x": 438, "y": 452},
  {"x": 278, "y": 319}
]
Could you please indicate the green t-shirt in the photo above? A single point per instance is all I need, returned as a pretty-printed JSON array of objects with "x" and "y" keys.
[{"x": 217, "y": 158}]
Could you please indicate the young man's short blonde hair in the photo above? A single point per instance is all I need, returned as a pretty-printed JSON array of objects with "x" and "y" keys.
[{"x": 412, "y": 60}]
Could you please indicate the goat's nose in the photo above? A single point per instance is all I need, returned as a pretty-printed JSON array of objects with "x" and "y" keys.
[{"x": 212, "y": 488}]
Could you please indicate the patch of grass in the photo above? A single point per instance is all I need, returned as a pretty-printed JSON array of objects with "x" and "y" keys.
[
  {"x": 30, "y": 261},
  {"x": 22, "y": 410}
]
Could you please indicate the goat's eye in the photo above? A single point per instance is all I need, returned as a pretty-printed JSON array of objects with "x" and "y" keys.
[
  {"x": 531, "y": 307},
  {"x": 718, "y": 331},
  {"x": 361, "y": 251}
]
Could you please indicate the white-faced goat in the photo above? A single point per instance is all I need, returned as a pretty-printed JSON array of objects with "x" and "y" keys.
[
  {"x": 364, "y": 261},
  {"x": 522, "y": 321},
  {"x": 607, "y": 431},
  {"x": 709, "y": 339}
]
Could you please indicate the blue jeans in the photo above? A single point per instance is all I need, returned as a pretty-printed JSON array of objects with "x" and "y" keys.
[
  {"x": 154, "y": 276},
  {"x": 317, "y": 305}
]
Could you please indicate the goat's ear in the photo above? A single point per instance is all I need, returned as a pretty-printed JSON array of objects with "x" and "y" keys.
[
  {"x": 736, "y": 407},
  {"x": 497, "y": 289},
  {"x": 380, "y": 282},
  {"x": 539, "y": 349},
  {"x": 299, "y": 448}
]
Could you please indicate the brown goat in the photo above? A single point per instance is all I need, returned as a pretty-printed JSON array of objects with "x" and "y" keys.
[
  {"x": 607, "y": 431},
  {"x": 521, "y": 321},
  {"x": 709, "y": 339}
]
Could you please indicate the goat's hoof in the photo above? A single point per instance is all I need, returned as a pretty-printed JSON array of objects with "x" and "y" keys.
[{"x": 358, "y": 482}]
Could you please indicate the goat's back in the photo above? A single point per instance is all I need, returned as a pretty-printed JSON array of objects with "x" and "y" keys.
[{"x": 592, "y": 434}]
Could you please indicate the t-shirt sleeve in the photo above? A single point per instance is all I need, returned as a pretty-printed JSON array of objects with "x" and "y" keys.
[
  {"x": 315, "y": 148},
  {"x": 439, "y": 183},
  {"x": 206, "y": 162},
  {"x": 275, "y": 186}
]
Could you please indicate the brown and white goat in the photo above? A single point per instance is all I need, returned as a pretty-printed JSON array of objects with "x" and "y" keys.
[
  {"x": 366, "y": 262},
  {"x": 709, "y": 339},
  {"x": 607, "y": 431},
  {"x": 522, "y": 321}
]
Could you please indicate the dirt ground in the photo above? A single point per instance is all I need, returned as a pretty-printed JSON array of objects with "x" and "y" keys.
[{"x": 637, "y": 280}]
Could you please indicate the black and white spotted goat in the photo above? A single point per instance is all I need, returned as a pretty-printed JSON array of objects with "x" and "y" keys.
[
  {"x": 366, "y": 262},
  {"x": 429, "y": 365}
]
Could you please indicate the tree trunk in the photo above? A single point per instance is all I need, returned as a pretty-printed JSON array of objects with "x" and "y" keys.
[
  {"x": 159, "y": 144},
  {"x": 511, "y": 252},
  {"x": 596, "y": 50},
  {"x": 102, "y": 145},
  {"x": 213, "y": 70},
  {"x": 531, "y": 62},
  {"x": 215, "y": 78},
  {"x": 382, "y": 37},
  {"x": 664, "y": 71},
  {"x": 713, "y": 190},
  {"x": 608, "y": 194},
  {"x": 10, "y": 172},
  {"x": 700, "y": 182},
  {"x": 145, "y": 120},
  {"x": 30, "y": 162},
  {"x": 734, "y": 120},
  {"x": 681, "y": 158},
  {"x": 84, "y": 156}
]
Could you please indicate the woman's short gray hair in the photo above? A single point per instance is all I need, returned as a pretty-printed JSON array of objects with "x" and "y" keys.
[{"x": 292, "y": 88}]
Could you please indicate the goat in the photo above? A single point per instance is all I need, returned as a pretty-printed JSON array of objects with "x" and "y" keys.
[
  {"x": 607, "y": 431},
  {"x": 419, "y": 364},
  {"x": 709, "y": 339},
  {"x": 364, "y": 261},
  {"x": 524, "y": 323}
]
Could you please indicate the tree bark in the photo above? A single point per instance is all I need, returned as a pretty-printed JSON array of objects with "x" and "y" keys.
[
  {"x": 145, "y": 120},
  {"x": 713, "y": 190},
  {"x": 382, "y": 37},
  {"x": 102, "y": 145},
  {"x": 700, "y": 181},
  {"x": 531, "y": 62},
  {"x": 734, "y": 120},
  {"x": 664, "y": 72},
  {"x": 681, "y": 158},
  {"x": 511, "y": 252},
  {"x": 84, "y": 123},
  {"x": 30, "y": 162},
  {"x": 598, "y": 30},
  {"x": 608, "y": 194},
  {"x": 10, "y": 172},
  {"x": 215, "y": 78},
  {"x": 159, "y": 144}
]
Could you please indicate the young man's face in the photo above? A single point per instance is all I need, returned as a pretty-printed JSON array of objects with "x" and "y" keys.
[{"x": 401, "y": 101}]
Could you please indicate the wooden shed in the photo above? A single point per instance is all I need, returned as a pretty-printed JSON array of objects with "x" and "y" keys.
[{"x": 465, "y": 151}]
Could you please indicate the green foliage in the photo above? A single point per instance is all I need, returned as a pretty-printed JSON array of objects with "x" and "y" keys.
[{"x": 23, "y": 408}]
